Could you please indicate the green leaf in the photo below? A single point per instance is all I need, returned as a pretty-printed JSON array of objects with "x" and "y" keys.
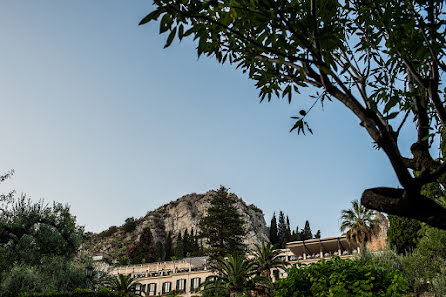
[
  {"x": 171, "y": 37},
  {"x": 151, "y": 16}
]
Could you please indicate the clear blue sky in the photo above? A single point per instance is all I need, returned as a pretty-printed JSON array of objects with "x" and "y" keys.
[{"x": 95, "y": 113}]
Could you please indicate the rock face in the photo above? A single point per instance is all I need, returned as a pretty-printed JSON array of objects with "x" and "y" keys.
[
  {"x": 175, "y": 217},
  {"x": 378, "y": 241}
]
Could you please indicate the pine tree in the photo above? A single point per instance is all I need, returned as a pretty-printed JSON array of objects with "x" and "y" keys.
[
  {"x": 222, "y": 228},
  {"x": 318, "y": 234},
  {"x": 282, "y": 230},
  {"x": 159, "y": 249},
  {"x": 273, "y": 236}
]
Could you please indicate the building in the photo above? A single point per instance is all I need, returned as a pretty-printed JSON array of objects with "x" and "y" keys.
[
  {"x": 185, "y": 276},
  {"x": 157, "y": 279}
]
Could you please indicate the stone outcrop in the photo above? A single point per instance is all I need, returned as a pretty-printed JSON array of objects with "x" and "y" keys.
[{"x": 175, "y": 217}]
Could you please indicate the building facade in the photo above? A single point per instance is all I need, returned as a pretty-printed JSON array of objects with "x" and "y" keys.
[{"x": 185, "y": 276}]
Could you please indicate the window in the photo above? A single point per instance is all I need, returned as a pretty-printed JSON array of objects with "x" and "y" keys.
[
  {"x": 181, "y": 285},
  {"x": 194, "y": 284},
  {"x": 152, "y": 289},
  {"x": 166, "y": 287},
  {"x": 276, "y": 274}
]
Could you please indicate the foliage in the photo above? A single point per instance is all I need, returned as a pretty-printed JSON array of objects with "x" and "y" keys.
[
  {"x": 341, "y": 277},
  {"x": 143, "y": 250},
  {"x": 402, "y": 234},
  {"x": 359, "y": 222},
  {"x": 222, "y": 227},
  {"x": 306, "y": 232},
  {"x": 30, "y": 231},
  {"x": 382, "y": 59},
  {"x": 75, "y": 293},
  {"x": 109, "y": 232},
  {"x": 233, "y": 273},
  {"x": 266, "y": 258},
  {"x": 283, "y": 230},
  {"x": 255, "y": 208},
  {"x": 273, "y": 232},
  {"x": 123, "y": 284},
  {"x": 129, "y": 225},
  {"x": 53, "y": 274}
]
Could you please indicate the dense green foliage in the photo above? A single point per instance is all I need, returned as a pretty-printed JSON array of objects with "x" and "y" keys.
[
  {"x": 75, "y": 293},
  {"x": 382, "y": 59},
  {"x": 37, "y": 246},
  {"x": 222, "y": 227},
  {"x": 341, "y": 277},
  {"x": 144, "y": 250},
  {"x": 129, "y": 225},
  {"x": 402, "y": 234}
]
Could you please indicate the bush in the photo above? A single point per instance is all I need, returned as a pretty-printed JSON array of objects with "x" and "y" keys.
[
  {"x": 341, "y": 277},
  {"x": 130, "y": 225},
  {"x": 109, "y": 232},
  {"x": 75, "y": 293}
]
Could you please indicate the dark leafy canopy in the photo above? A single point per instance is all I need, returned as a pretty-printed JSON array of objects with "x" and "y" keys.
[
  {"x": 402, "y": 234},
  {"x": 382, "y": 59},
  {"x": 222, "y": 227}
]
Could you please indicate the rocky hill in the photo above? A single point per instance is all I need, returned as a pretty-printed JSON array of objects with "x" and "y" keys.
[{"x": 175, "y": 217}]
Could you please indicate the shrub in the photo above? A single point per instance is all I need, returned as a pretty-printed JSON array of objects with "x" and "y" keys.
[
  {"x": 109, "y": 232},
  {"x": 130, "y": 224},
  {"x": 341, "y": 277},
  {"x": 255, "y": 208},
  {"x": 75, "y": 293}
]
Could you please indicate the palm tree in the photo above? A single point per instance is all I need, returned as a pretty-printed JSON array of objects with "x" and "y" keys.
[
  {"x": 266, "y": 258},
  {"x": 124, "y": 285},
  {"x": 234, "y": 273},
  {"x": 360, "y": 223}
]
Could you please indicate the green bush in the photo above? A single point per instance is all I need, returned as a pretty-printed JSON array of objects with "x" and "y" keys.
[
  {"x": 341, "y": 277},
  {"x": 75, "y": 293}
]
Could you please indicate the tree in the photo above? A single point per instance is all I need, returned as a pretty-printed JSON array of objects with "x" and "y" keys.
[
  {"x": 266, "y": 257},
  {"x": 282, "y": 230},
  {"x": 235, "y": 273},
  {"x": 360, "y": 224},
  {"x": 179, "y": 249},
  {"x": 306, "y": 232},
  {"x": 123, "y": 284},
  {"x": 168, "y": 246},
  {"x": 382, "y": 59},
  {"x": 318, "y": 234},
  {"x": 143, "y": 250},
  {"x": 402, "y": 234},
  {"x": 273, "y": 236},
  {"x": 222, "y": 227}
]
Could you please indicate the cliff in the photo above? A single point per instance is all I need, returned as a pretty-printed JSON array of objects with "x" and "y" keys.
[{"x": 175, "y": 217}]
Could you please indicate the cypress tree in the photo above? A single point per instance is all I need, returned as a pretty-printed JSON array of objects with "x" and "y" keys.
[
  {"x": 288, "y": 230},
  {"x": 179, "y": 249},
  {"x": 222, "y": 228},
  {"x": 282, "y": 230},
  {"x": 168, "y": 246},
  {"x": 143, "y": 250},
  {"x": 273, "y": 236},
  {"x": 306, "y": 231},
  {"x": 318, "y": 234}
]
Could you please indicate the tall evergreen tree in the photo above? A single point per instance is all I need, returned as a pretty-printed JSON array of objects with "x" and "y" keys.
[
  {"x": 179, "y": 249},
  {"x": 168, "y": 246},
  {"x": 318, "y": 234},
  {"x": 306, "y": 231},
  {"x": 288, "y": 230},
  {"x": 273, "y": 236},
  {"x": 282, "y": 230},
  {"x": 143, "y": 250},
  {"x": 222, "y": 227}
]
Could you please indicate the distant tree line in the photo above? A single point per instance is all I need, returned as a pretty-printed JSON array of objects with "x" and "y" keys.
[{"x": 280, "y": 232}]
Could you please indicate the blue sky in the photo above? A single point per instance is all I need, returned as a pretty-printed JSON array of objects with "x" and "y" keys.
[{"x": 96, "y": 114}]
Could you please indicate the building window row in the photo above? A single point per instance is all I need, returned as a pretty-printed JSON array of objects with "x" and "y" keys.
[{"x": 166, "y": 287}]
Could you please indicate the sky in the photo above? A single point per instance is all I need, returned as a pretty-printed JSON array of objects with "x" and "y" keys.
[{"x": 96, "y": 114}]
